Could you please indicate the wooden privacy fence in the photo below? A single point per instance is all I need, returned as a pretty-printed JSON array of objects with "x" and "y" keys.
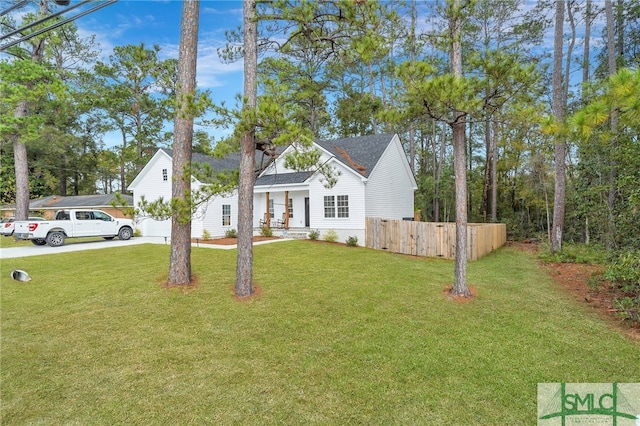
[{"x": 431, "y": 239}]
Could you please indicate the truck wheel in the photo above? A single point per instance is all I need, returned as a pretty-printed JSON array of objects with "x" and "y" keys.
[
  {"x": 125, "y": 233},
  {"x": 39, "y": 241},
  {"x": 55, "y": 239}
]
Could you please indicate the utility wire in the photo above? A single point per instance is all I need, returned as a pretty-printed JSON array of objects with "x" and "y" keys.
[
  {"x": 56, "y": 25},
  {"x": 14, "y": 7}
]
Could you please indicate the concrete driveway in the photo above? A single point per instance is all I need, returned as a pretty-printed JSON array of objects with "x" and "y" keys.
[{"x": 70, "y": 245}]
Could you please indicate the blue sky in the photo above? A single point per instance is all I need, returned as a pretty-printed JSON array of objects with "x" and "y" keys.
[{"x": 158, "y": 22}]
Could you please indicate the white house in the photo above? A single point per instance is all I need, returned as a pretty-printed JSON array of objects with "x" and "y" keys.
[
  {"x": 374, "y": 180},
  {"x": 154, "y": 181}
]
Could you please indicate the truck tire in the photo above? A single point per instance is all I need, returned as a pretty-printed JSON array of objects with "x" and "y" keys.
[
  {"x": 55, "y": 238},
  {"x": 39, "y": 241},
  {"x": 125, "y": 233}
]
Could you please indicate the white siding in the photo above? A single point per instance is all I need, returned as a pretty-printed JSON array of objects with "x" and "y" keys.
[
  {"x": 348, "y": 184},
  {"x": 390, "y": 188},
  {"x": 209, "y": 217},
  {"x": 150, "y": 183}
]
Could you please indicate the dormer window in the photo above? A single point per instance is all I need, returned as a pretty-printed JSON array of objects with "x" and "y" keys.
[{"x": 165, "y": 175}]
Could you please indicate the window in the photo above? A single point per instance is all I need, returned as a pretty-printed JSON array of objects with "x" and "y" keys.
[
  {"x": 329, "y": 206},
  {"x": 343, "y": 206},
  {"x": 101, "y": 216},
  {"x": 84, "y": 216},
  {"x": 165, "y": 175},
  {"x": 271, "y": 211},
  {"x": 226, "y": 215},
  {"x": 290, "y": 208}
]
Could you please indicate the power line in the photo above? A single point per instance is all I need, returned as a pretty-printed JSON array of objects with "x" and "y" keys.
[{"x": 52, "y": 26}]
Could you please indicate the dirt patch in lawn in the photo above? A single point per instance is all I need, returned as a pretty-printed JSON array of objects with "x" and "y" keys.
[
  {"x": 575, "y": 279},
  {"x": 230, "y": 241},
  {"x": 446, "y": 292}
]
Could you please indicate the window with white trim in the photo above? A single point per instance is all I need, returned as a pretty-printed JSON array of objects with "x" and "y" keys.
[
  {"x": 226, "y": 215},
  {"x": 329, "y": 206},
  {"x": 165, "y": 175},
  {"x": 271, "y": 209},
  {"x": 343, "y": 206},
  {"x": 336, "y": 206},
  {"x": 290, "y": 208}
]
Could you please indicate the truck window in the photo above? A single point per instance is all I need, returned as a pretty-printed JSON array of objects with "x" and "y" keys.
[
  {"x": 101, "y": 216},
  {"x": 84, "y": 216},
  {"x": 62, "y": 216}
]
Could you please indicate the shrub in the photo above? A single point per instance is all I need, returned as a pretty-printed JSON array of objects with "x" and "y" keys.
[
  {"x": 231, "y": 233},
  {"x": 206, "y": 235},
  {"x": 265, "y": 231},
  {"x": 574, "y": 253},
  {"x": 137, "y": 233},
  {"x": 624, "y": 274},
  {"x": 314, "y": 234},
  {"x": 352, "y": 241},
  {"x": 331, "y": 236}
]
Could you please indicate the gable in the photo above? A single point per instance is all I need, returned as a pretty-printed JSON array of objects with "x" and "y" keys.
[
  {"x": 150, "y": 167},
  {"x": 361, "y": 154},
  {"x": 395, "y": 159}
]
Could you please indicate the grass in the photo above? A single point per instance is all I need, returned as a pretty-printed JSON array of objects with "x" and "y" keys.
[
  {"x": 10, "y": 242},
  {"x": 339, "y": 335},
  {"x": 7, "y": 242},
  {"x": 576, "y": 253}
]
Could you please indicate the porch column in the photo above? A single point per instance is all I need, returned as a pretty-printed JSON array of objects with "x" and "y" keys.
[
  {"x": 286, "y": 209},
  {"x": 267, "y": 216}
]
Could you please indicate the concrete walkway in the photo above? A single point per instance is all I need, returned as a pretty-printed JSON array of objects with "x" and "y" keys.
[{"x": 70, "y": 245}]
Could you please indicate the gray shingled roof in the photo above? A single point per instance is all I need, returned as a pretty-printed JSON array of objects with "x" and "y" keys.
[
  {"x": 360, "y": 153},
  {"x": 229, "y": 163},
  {"x": 283, "y": 178},
  {"x": 102, "y": 200},
  {"x": 55, "y": 202}
]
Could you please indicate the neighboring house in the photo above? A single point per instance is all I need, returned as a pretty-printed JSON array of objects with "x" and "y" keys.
[
  {"x": 374, "y": 180},
  {"x": 48, "y": 206}
]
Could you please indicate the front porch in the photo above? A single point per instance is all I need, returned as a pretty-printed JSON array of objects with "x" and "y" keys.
[
  {"x": 291, "y": 233},
  {"x": 283, "y": 211}
]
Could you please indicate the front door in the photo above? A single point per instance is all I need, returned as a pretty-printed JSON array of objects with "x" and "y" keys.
[{"x": 306, "y": 212}]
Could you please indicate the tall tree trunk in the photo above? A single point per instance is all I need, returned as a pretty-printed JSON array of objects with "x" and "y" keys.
[
  {"x": 180, "y": 264},
  {"x": 586, "y": 62},
  {"x": 19, "y": 149},
  {"x": 412, "y": 56},
  {"x": 459, "y": 160},
  {"x": 611, "y": 61},
  {"x": 494, "y": 173},
  {"x": 560, "y": 149},
  {"x": 21, "y": 168},
  {"x": 572, "y": 42},
  {"x": 244, "y": 268},
  {"x": 486, "y": 186}
]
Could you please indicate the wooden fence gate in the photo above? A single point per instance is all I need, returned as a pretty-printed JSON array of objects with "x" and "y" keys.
[{"x": 432, "y": 239}]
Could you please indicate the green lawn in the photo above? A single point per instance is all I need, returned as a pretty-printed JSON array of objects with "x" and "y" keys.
[{"x": 339, "y": 336}]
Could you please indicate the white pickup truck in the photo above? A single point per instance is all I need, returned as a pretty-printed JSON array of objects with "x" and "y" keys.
[{"x": 71, "y": 224}]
